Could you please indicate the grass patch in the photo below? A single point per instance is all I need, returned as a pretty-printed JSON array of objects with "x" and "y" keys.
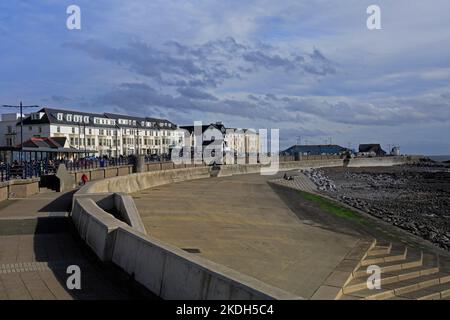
[{"x": 332, "y": 207}]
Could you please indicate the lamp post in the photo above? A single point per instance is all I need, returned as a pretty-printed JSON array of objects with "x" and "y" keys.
[{"x": 20, "y": 106}]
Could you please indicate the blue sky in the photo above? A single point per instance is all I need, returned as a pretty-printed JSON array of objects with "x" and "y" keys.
[{"x": 310, "y": 68}]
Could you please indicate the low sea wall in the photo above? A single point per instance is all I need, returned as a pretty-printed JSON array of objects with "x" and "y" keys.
[
  {"x": 140, "y": 181},
  {"x": 101, "y": 173},
  {"x": 20, "y": 188}
]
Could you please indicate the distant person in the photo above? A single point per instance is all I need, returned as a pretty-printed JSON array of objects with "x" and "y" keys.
[{"x": 84, "y": 179}]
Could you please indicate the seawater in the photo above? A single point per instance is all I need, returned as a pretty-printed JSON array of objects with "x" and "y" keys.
[{"x": 440, "y": 158}]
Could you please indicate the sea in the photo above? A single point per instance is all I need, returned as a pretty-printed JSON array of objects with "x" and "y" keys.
[{"x": 440, "y": 158}]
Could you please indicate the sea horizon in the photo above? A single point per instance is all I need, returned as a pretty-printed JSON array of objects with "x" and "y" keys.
[{"x": 439, "y": 158}]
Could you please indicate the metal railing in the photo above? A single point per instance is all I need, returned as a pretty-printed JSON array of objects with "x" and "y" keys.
[{"x": 26, "y": 170}]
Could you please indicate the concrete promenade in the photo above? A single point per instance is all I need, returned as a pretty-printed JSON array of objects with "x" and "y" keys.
[
  {"x": 36, "y": 247},
  {"x": 240, "y": 222}
]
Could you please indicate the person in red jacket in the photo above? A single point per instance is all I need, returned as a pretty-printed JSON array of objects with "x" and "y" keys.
[{"x": 84, "y": 179}]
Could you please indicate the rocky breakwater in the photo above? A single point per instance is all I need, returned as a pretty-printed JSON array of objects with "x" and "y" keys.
[
  {"x": 319, "y": 178},
  {"x": 415, "y": 198}
]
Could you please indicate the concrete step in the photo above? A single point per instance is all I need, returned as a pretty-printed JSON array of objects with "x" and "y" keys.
[
  {"x": 409, "y": 263},
  {"x": 437, "y": 292},
  {"x": 379, "y": 250},
  {"x": 388, "y": 278},
  {"x": 400, "y": 289},
  {"x": 393, "y": 256}
]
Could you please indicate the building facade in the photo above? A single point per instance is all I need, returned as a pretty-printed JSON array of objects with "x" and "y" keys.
[
  {"x": 100, "y": 134},
  {"x": 237, "y": 142}
]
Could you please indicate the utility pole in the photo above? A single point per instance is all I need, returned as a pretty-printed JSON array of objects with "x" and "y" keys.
[
  {"x": 117, "y": 143},
  {"x": 20, "y": 106},
  {"x": 137, "y": 139},
  {"x": 79, "y": 139},
  {"x": 84, "y": 139}
]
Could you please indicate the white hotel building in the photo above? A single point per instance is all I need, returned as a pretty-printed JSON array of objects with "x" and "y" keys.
[{"x": 94, "y": 133}]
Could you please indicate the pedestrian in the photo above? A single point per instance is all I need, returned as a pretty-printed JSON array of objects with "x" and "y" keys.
[{"x": 84, "y": 179}]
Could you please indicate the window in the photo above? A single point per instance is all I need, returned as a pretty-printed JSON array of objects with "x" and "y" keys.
[
  {"x": 90, "y": 131},
  {"x": 9, "y": 129},
  {"x": 86, "y": 119},
  {"x": 73, "y": 130},
  {"x": 69, "y": 117},
  {"x": 59, "y": 116},
  {"x": 58, "y": 129},
  {"x": 40, "y": 129},
  {"x": 71, "y": 141}
]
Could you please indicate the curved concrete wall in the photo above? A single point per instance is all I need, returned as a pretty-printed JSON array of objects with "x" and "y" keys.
[{"x": 140, "y": 181}]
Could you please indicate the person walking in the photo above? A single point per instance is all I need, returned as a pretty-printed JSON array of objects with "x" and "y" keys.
[{"x": 84, "y": 179}]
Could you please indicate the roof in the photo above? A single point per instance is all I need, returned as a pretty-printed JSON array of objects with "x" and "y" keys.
[
  {"x": 371, "y": 147},
  {"x": 205, "y": 127},
  {"x": 50, "y": 117},
  {"x": 314, "y": 149},
  {"x": 46, "y": 145}
]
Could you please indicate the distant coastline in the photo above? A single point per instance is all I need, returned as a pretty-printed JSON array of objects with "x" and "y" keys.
[{"x": 440, "y": 158}]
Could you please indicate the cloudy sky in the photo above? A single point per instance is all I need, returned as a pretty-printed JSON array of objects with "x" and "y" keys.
[{"x": 308, "y": 67}]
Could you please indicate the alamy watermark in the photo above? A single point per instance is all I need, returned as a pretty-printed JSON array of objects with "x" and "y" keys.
[
  {"x": 74, "y": 280},
  {"x": 374, "y": 20},
  {"x": 73, "y": 21},
  {"x": 374, "y": 280}
]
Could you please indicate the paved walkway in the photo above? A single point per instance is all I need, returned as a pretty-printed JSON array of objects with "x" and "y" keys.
[
  {"x": 240, "y": 222},
  {"x": 36, "y": 247}
]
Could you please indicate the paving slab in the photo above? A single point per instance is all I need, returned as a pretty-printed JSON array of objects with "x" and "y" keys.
[{"x": 34, "y": 257}]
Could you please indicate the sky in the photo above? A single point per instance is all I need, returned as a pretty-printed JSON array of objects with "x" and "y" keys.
[{"x": 310, "y": 68}]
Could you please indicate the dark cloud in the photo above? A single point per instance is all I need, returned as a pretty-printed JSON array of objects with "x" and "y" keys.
[
  {"x": 132, "y": 97},
  {"x": 194, "y": 93},
  {"x": 206, "y": 65}
]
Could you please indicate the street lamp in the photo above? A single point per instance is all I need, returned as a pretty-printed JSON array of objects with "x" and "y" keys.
[{"x": 21, "y": 123}]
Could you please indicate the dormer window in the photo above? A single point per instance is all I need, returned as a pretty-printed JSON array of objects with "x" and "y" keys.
[
  {"x": 37, "y": 115},
  {"x": 86, "y": 119},
  {"x": 69, "y": 117},
  {"x": 59, "y": 116}
]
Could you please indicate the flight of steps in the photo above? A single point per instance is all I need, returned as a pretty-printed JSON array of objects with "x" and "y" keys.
[{"x": 405, "y": 274}]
